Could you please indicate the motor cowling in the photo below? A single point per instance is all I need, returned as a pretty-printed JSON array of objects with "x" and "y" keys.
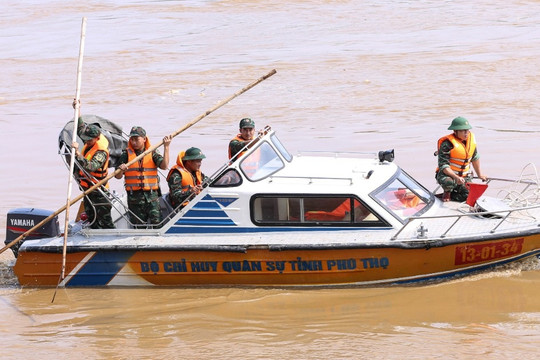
[{"x": 21, "y": 220}]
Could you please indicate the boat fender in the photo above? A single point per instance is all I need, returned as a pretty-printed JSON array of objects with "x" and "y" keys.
[{"x": 21, "y": 220}]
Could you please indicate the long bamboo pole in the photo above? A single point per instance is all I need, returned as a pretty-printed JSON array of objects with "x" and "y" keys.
[
  {"x": 152, "y": 148},
  {"x": 73, "y": 150}
]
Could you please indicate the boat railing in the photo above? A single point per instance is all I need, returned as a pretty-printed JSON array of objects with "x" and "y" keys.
[
  {"x": 522, "y": 196},
  {"x": 527, "y": 184},
  {"x": 504, "y": 215},
  {"x": 113, "y": 199},
  {"x": 216, "y": 174}
]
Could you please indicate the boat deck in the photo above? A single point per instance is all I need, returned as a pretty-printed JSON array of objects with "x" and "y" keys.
[{"x": 448, "y": 220}]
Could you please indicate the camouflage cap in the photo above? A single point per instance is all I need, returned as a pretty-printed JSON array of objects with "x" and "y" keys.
[
  {"x": 247, "y": 123},
  {"x": 193, "y": 153},
  {"x": 89, "y": 132},
  {"x": 137, "y": 131}
]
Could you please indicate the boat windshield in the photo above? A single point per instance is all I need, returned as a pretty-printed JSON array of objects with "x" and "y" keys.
[
  {"x": 262, "y": 162},
  {"x": 403, "y": 197},
  {"x": 286, "y": 155}
]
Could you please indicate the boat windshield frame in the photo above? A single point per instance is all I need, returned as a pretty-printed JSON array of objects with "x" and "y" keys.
[
  {"x": 403, "y": 196},
  {"x": 264, "y": 160},
  {"x": 279, "y": 146}
]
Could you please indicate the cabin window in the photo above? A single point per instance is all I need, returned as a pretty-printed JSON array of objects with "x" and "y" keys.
[
  {"x": 328, "y": 210},
  {"x": 403, "y": 197},
  {"x": 261, "y": 163},
  {"x": 229, "y": 178}
]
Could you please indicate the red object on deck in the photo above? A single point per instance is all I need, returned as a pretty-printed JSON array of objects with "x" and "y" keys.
[{"x": 475, "y": 191}]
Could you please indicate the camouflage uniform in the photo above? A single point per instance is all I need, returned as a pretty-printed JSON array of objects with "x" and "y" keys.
[
  {"x": 236, "y": 145},
  {"x": 96, "y": 205},
  {"x": 144, "y": 205},
  {"x": 102, "y": 205},
  {"x": 458, "y": 192},
  {"x": 177, "y": 193}
]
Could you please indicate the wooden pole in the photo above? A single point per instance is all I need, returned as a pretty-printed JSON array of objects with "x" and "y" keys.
[
  {"x": 73, "y": 137},
  {"x": 101, "y": 182}
]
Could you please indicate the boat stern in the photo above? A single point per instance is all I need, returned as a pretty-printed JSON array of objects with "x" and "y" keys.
[{"x": 21, "y": 220}]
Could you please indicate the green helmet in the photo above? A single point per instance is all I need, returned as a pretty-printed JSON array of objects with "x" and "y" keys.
[
  {"x": 460, "y": 123},
  {"x": 193, "y": 153}
]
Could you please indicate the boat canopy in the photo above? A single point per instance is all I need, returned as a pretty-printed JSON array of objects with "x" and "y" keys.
[{"x": 113, "y": 133}]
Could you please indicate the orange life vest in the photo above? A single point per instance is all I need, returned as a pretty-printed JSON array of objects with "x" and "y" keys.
[
  {"x": 337, "y": 214},
  {"x": 142, "y": 174},
  {"x": 186, "y": 180},
  {"x": 407, "y": 197},
  {"x": 251, "y": 164},
  {"x": 187, "y": 177},
  {"x": 102, "y": 144},
  {"x": 238, "y": 138},
  {"x": 461, "y": 154},
  {"x": 340, "y": 213}
]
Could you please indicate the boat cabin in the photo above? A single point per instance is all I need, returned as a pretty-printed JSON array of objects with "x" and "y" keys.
[{"x": 267, "y": 189}]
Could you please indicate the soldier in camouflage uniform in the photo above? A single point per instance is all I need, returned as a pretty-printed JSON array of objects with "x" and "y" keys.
[
  {"x": 94, "y": 159},
  {"x": 185, "y": 178},
  {"x": 247, "y": 133},
  {"x": 141, "y": 178},
  {"x": 455, "y": 153}
]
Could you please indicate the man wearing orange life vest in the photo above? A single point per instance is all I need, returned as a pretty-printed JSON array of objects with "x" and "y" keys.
[
  {"x": 247, "y": 133},
  {"x": 456, "y": 152},
  {"x": 185, "y": 178},
  {"x": 94, "y": 160},
  {"x": 141, "y": 178}
]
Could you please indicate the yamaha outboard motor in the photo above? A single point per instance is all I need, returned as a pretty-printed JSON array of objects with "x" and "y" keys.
[{"x": 21, "y": 220}]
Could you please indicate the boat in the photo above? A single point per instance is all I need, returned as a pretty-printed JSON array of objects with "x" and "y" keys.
[{"x": 270, "y": 218}]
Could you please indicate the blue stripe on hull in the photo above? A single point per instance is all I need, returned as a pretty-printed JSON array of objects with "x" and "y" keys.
[
  {"x": 225, "y": 201},
  {"x": 206, "y": 222},
  {"x": 207, "y": 205},
  {"x": 207, "y": 213},
  {"x": 101, "y": 268}
]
